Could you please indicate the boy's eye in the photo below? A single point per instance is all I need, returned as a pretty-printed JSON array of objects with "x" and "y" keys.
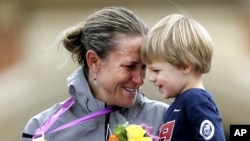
[{"x": 155, "y": 71}]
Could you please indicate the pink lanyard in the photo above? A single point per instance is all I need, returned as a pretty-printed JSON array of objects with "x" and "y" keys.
[{"x": 67, "y": 104}]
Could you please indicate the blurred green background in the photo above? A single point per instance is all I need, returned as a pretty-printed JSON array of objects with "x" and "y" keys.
[{"x": 32, "y": 80}]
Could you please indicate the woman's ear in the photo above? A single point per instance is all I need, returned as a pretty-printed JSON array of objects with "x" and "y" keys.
[{"x": 92, "y": 60}]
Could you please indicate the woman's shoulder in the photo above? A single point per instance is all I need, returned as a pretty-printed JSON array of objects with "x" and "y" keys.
[
  {"x": 37, "y": 120},
  {"x": 151, "y": 102},
  {"x": 155, "y": 103}
]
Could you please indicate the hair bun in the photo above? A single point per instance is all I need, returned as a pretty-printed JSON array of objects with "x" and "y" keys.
[{"x": 72, "y": 40}]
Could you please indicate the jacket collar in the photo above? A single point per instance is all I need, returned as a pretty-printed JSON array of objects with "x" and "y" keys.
[{"x": 79, "y": 89}]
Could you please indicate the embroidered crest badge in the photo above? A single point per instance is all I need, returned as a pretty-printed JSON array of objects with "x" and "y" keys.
[{"x": 207, "y": 129}]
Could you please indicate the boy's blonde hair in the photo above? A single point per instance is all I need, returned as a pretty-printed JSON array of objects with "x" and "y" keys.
[{"x": 180, "y": 41}]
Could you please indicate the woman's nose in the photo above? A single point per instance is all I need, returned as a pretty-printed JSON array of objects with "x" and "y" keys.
[{"x": 139, "y": 76}]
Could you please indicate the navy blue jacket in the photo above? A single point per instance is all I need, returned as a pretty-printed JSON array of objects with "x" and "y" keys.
[{"x": 193, "y": 116}]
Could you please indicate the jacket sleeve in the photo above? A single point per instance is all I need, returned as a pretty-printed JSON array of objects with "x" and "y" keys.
[
  {"x": 29, "y": 129},
  {"x": 36, "y": 121}
]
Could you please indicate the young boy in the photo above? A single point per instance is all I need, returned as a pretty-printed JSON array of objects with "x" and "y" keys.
[{"x": 178, "y": 51}]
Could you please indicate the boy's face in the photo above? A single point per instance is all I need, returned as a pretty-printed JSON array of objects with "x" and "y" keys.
[{"x": 170, "y": 80}]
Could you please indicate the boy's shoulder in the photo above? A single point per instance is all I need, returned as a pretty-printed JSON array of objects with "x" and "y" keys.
[{"x": 195, "y": 96}]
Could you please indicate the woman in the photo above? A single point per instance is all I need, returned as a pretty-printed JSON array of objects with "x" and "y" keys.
[{"x": 107, "y": 47}]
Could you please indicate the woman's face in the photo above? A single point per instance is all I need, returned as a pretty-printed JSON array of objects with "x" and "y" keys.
[{"x": 121, "y": 74}]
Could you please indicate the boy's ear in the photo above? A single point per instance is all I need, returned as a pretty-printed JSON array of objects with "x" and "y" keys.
[
  {"x": 92, "y": 60},
  {"x": 187, "y": 69}
]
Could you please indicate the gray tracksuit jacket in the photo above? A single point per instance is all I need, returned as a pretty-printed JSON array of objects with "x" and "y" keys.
[{"x": 144, "y": 111}]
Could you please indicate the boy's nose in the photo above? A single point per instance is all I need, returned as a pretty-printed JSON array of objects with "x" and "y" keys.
[{"x": 151, "y": 78}]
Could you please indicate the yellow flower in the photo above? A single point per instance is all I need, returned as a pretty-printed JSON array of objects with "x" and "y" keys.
[{"x": 136, "y": 133}]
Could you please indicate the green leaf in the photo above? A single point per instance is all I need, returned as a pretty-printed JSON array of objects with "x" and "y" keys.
[{"x": 120, "y": 132}]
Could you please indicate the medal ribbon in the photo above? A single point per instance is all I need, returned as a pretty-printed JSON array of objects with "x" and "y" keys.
[{"x": 67, "y": 104}]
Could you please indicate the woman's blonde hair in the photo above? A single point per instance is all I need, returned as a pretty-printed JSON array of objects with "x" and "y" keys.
[{"x": 180, "y": 41}]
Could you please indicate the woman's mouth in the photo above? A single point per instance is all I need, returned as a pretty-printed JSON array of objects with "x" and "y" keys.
[{"x": 131, "y": 90}]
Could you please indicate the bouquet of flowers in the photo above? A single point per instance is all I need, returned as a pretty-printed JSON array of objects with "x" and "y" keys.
[{"x": 126, "y": 132}]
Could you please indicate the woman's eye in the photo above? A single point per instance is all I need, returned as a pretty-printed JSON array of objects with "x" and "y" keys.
[
  {"x": 130, "y": 66},
  {"x": 143, "y": 67}
]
